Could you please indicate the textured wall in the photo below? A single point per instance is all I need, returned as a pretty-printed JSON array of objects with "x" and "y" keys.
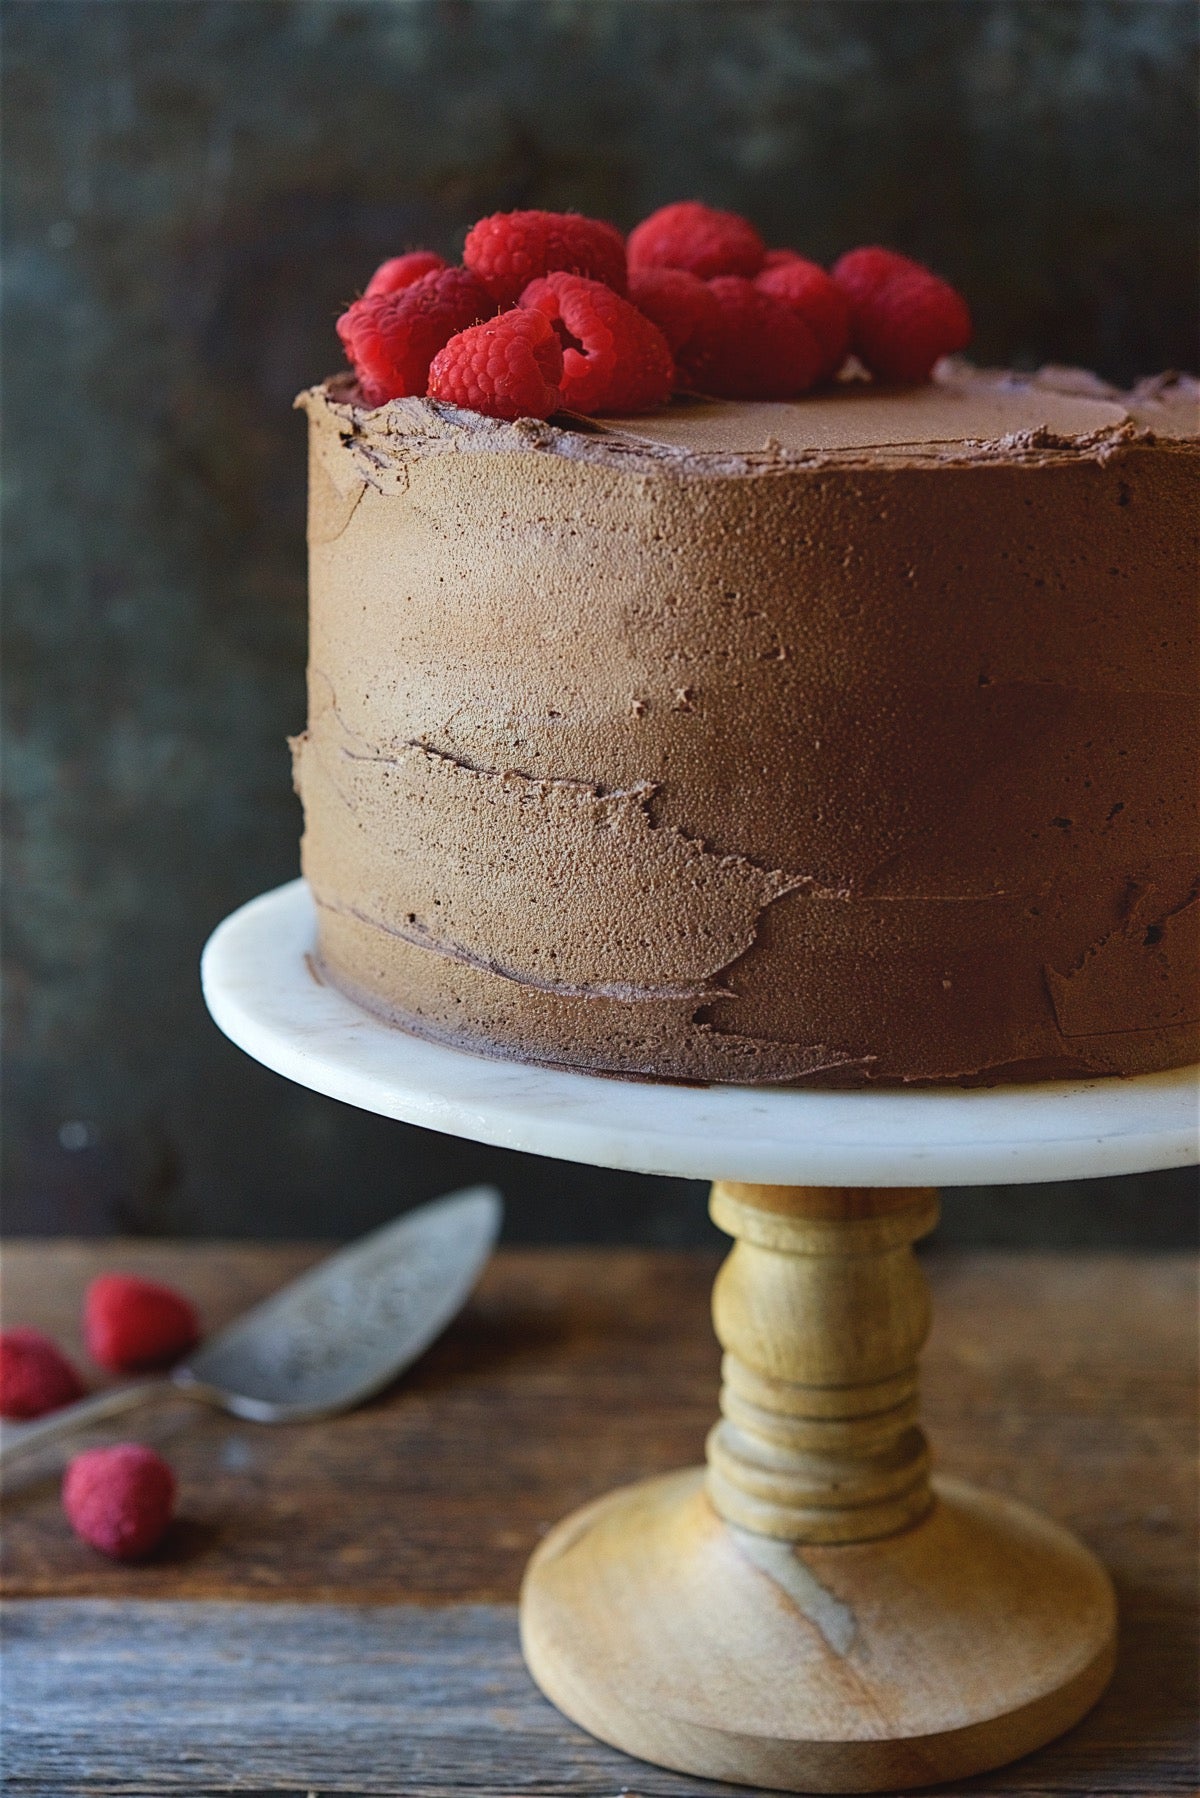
[{"x": 191, "y": 191}]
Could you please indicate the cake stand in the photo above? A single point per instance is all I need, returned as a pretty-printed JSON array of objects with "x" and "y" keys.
[{"x": 812, "y": 1611}]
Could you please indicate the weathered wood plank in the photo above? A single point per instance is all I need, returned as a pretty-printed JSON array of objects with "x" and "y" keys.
[
  {"x": 149, "y": 1698},
  {"x": 194, "y": 1698},
  {"x": 531, "y": 1403}
]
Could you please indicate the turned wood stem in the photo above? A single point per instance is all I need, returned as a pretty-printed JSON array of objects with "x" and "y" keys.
[{"x": 821, "y": 1310}]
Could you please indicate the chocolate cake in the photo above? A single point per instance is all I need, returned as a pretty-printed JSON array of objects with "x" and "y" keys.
[{"x": 845, "y": 740}]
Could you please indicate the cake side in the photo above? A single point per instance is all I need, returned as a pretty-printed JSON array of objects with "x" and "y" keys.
[{"x": 840, "y": 751}]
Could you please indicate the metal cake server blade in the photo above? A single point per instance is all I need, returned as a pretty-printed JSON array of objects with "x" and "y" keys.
[{"x": 330, "y": 1339}]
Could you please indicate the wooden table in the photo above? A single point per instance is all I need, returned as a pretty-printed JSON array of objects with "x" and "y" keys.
[{"x": 334, "y": 1610}]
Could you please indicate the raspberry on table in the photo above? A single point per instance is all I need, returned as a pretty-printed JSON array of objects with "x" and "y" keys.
[
  {"x": 510, "y": 249},
  {"x": 391, "y": 338},
  {"x": 699, "y": 238},
  {"x": 758, "y": 349},
  {"x": 35, "y": 1375},
  {"x": 904, "y": 318},
  {"x": 119, "y": 1499},
  {"x": 678, "y": 302},
  {"x": 399, "y": 272},
  {"x": 130, "y": 1323},
  {"x": 508, "y": 367},
  {"x": 820, "y": 302},
  {"x": 615, "y": 359}
]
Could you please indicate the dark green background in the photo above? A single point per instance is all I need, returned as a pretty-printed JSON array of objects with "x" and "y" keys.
[{"x": 192, "y": 188}]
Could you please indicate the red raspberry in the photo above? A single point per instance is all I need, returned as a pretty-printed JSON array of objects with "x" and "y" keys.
[
  {"x": 699, "y": 238},
  {"x": 119, "y": 1499},
  {"x": 510, "y": 249},
  {"x": 760, "y": 348},
  {"x": 509, "y": 367},
  {"x": 614, "y": 358},
  {"x": 903, "y": 317},
  {"x": 679, "y": 303},
  {"x": 399, "y": 272},
  {"x": 130, "y": 1323},
  {"x": 391, "y": 338},
  {"x": 808, "y": 290},
  {"x": 35, "y": 1376}
]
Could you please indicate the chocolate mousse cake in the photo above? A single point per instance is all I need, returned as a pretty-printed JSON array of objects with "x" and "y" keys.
[{"x": 847, "y": 740}]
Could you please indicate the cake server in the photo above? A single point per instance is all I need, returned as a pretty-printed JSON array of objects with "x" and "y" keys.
[{"x": 330, "y": 1339}]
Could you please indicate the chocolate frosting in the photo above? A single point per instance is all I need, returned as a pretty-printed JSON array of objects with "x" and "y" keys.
[{"x": 845, "y": 740}]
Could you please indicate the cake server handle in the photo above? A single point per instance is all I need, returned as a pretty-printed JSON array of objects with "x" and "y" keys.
[{"x": 15, "y": 1438}]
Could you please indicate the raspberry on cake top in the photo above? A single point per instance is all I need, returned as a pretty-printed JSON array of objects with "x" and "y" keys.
[{"x": 694, "y": 303}]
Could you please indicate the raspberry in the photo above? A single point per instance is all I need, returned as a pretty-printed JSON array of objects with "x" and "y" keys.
[
  {"x": 698, "y": 238},
  {"x": 903, "y": 317},
  {"x": 119, "y": 1499},
  {"x": 679, "y": 303},
  {"x": 391, "y": 338},
  {"x": 35, "y": 1376},
  {"x": 808, "y": 290},
  {"x": 614, "y": 358},
  {"x": 759, "y": 348},
  {"x": 509, "y": 367},
  {"x": 399, "y": 272},
  {"x": 510, "y": 249},
  {"x": 130, "y": 1323}
]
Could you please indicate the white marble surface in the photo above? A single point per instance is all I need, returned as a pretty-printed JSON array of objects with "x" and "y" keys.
[{"x": 264, "y": 995}]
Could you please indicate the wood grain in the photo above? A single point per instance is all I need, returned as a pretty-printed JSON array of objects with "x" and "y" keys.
[
  {"x": 809, "y": 1612},
  {"x": 952, "y": 1647},
  {"x": 1069, "y": 1382},
  {"x": 822, "y": 1311}
]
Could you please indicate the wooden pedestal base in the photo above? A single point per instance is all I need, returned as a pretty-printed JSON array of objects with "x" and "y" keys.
[
  {"x": 810, "y": 1613},
  {"x": 959, "y": 1644}
]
